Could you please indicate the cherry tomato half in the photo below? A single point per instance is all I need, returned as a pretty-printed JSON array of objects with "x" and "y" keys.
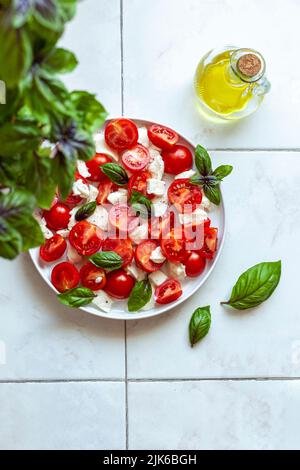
[
  {"x": 142, "y": 256},
  {"x": 92, "y": 277},
  {"x": 121, "y": 134},
  {"x": 104, "y": 189},
  {"x": 86, "y": 238},
  {"x": 53, "y": 248},
  {"x": 57, "y": 218},
  {"x": 168, "y": 291},
  {"x": 136, "y": 158},
  {"x": 194, "y": 264},
  {"x": 72, "y": 199},
  {"x": 94, "y": 166},
  {"x": 138, "y": 182},
  {"x": 65, "y": 276},
  {"x": 184, "y": 195},
  {"x": 159, "y": 226},
  {"x": 123, "y": 248},
  {"x": 120, "y": 218},
  {"x": 162, "y": 137},
  {"x": 119, "y": 284},
  {"x": 177, "y": 160},
  {"x": 210, "y": 243},
  {"x": 173, "y": 245}
]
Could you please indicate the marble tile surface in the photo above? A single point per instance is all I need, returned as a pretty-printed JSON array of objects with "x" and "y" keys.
[
  {"x": 62, "y": 416},
  {"x": 162, "y": 49},
  {"x": 263, "y": 224},
  {"x": 215, "y": 415}
]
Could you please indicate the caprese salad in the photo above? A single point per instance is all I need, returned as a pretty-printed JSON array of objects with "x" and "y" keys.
[{"x": 133, "y": 216}]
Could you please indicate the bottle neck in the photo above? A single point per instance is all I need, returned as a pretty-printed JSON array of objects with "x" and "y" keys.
[{"x": 248, "y": 65}]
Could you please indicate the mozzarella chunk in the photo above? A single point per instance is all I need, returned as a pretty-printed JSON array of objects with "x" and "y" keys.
[
  {"x": 196, "y": 217},
  {"x": 99, "y": 218},
  {"x": 185, "y": 174},
  {"x": 157, "y": 255},
  {"x": 160, "y": 205},
  {"x": 176, "y": 270},
  {"x": 63, "y": 233},
  {"x": 143, "y": 136},
  {"x": 103, "y": 301},
  {"x": 157, "y": 278},
  {"x": 136, "y": 272},
  {"x": 118, "y": 197},
  {"x": 102, "y": 147},
  {"x": 205, "y": 204},
  {"x": 46, "y": 232},
  {"x": 156, "y": 166},
  {"x": 83, "y": 169},
  {"x": 151, "y": 302},
  {"x": 72, "y": 220},
  {"x": 81, "y": 189},
  {"x": 73, "y": 256},
  {"x": 93, "y": 193},
  {"x": 155, "y": 186},
  {"x": 139, "y": 234}
]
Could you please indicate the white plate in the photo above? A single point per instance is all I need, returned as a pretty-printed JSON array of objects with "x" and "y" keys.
[{"x": 189, "y": 285}]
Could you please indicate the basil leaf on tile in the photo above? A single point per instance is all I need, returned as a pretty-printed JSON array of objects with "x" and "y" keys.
[
  {"x": 140, "y": 295},
  {"x": 222, "y": 171},
  {"x": 77, "y": 297},
  {"x": 107, "y": 260},
  {"x": 255, "y": 285},
  {"x": 85, "y": 211},
  {"x": 115, "y": 173},
  {"x": 199, "y": 324},
  {"x": 202, "y": 161}
]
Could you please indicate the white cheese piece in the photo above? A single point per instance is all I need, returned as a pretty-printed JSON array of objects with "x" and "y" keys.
[
  {"x": 93, "y": 193},
  {"x": 156, "y": 165},
  {"x": 46, "y": 232},
  {"x": 157, "y": 278},
  {"x": 185, "y": 174},
  {"x": 157, "y": 255},
  {"x": 143, "y": 136},
  {"x": 81, "y": 189},
  {"x": 103, "y": 301},
  {"x": 99, "y": 218},
  {"x": 151, "y": 302},
  {"x": 72, "y": 220},
  {"x": 176, "y": 270},
  {"x": 102, "y": 147},
  {"x": 196, "y": 217},
  {"x": 83, "y": 169},
  {"x": 118, "y": 197},
  {"x": 63, "y": 233},
  {"x": 205, "y": 204},
  {"x": 136, "y": 272},
  {"x": 73, "y": 256},
  {"x": 139, "y": 234},
  {"x": 160, "y": 205},
  {"x": 155, "y": 186}
]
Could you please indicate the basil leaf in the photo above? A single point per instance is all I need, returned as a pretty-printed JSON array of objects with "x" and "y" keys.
[
  {"x": 63, "y": 169},
  {"x": 115, "y": 173},
  {"x": 77, "y": 297},
  {"x": 19, "y": 137},
  {"x": 202, "y": 161},
  {"x": 141, "y": 204},
  {"x": 199, "y": 324},
  {"x": 140, "y": 295},
  {"x": 200, "y": 180},
  {"x": 107, "y": 259},
  {"x": 60, "y": 61},
  {"x": 90, "y": 114},
  {"x": 85, "y": 211},
  {"x": 255, "y": 285},
  {"x": 213, "y": 193},
  {"x": 222, "y": 171}
]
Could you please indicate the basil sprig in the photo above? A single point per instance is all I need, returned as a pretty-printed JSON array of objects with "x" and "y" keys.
[
  {"x": 85, "y": 211},
  {"x": 199, "y": 324},
  {"x": 107, "y": 260},
  {"x": 77, "y": 297},
  {"x": 255, "y": 285},
  {"x": 142, "y": 204},
  {"x": 115, "y": 173},
  {"x": 140, "y": 295},
  {"x": 208, "y": 178}
]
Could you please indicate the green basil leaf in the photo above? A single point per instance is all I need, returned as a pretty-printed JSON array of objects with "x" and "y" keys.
[
  {"x": 60, "y": 61},
  {"x": 77, "y": 297},
  {"x": 63, "y": 170},
  {"x": 255, "y": 285},
  {"x": 199, "y": 324},
  {"x": 213, "y": 193},
  {"x": 222, "y": 171},
  {"x": 19, "y": 137},
  {"x": 115, "y": 173},
  {"x": 85, "y": 211},
  {"x": 140, "y": 295},
  {"x": 142, "y": 204},
  {"x": 209, "y": 180},
  {"x": 89, "y": 113},
  {"x": 107, "y": 260},
  {"x": 202, "y": 161}
]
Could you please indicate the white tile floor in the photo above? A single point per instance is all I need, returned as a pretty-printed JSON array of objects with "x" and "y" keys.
[{"x": 139, "y": 385}]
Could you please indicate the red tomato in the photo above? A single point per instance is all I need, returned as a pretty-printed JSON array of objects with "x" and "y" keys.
[
  {"x": 138, "y": 182},
  {"x": 159, "y": 226},
  {"x": 194, "y": 234},
  {"x": 142, "y": 256},
  {"x": 119, "y": 284},
  {"x": 121, "y": 134},
  {"x": 136, "y": 158},
  {"x": 86, "y": 238},
  {"x": 53, "y": 248},
  {"x": 210, "y": 243},
  {"x": 194, "y": 264},
  {"x": 94, "y": 166},
  {"x": 104, "y": 189},
  {"x": 173, "y": 245},
  {"x": 73, "y": 200},
  {"x": 58, "y": 216},
  {"x": 168, "y": 291},
  {"x": 65, "y": 276},
  {"x": 121, "y": 219},
  {"x": 92, "y": 277},
  {"x": 163, "y": 137},
  {"x": 177, "y": 160},
  {"x": 121, "y": 247},
  {"x": 184, "y": 195}
]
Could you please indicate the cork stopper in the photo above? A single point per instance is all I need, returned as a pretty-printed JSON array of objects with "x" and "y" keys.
[{"x": 249, "y": 65}]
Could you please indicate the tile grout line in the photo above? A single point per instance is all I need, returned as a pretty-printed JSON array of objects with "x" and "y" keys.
[{"x": 122, "y": 57}]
